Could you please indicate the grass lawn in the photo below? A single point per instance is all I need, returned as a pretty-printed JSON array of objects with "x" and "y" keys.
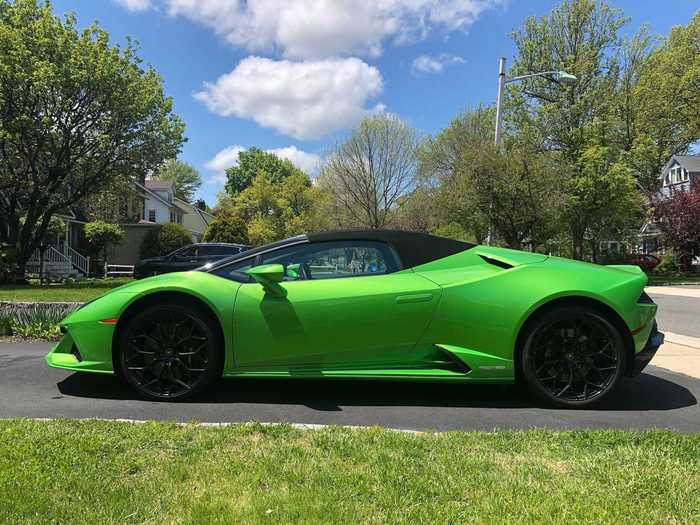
[
  {"x": 79, "y": 291},
  {"x": 109, "y": 472},
  {"x": 658, "y": 280}
]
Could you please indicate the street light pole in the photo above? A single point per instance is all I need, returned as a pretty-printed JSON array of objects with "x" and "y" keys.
[{"x": 499, "y": 98}]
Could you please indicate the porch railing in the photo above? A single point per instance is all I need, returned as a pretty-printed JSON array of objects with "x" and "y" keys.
[{"x": 63, "y": 254}]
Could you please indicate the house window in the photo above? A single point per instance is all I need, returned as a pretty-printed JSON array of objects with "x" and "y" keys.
[
  {"x": 173, "y": 216},
  {"x": 675, "y": 175},
  {"x": 151, "y": 215}
]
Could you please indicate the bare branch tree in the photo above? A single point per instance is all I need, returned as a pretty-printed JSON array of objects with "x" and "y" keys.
[{"x": 373, "y": 168}]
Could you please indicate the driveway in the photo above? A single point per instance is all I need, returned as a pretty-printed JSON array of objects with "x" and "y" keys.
[{"x": 28, "y": 388}]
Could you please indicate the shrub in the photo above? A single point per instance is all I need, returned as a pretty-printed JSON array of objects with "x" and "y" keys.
[
  {"x": 101, "y": 235},
  {"x": 35, "y": 320},
  {"x": 669, "y": 265},
  {"x": 228, "y": 226},
  {"x": 7, "y": 262},
  {"x": 163, "y": 239}
]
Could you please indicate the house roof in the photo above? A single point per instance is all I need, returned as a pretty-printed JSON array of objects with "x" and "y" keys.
[
  {"x": 690, "y": 162},
  {"x": 153, "y": 184}
]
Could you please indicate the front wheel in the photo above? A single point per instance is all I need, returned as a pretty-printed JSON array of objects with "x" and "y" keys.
[
  {"x": 168, "y": 352},
  {"x": 573, "y": 357}
]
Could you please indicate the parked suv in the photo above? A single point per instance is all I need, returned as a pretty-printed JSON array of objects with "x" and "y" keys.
[{"x": 187, "y": 258}]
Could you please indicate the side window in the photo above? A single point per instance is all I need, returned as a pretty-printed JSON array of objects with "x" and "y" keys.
[
  {"x": 334, "y": 260},
  {"x": 237, "y": 271},
  {"x": 190, "y": 251}
]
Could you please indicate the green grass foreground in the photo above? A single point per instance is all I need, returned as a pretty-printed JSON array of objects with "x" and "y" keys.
[
  {"x": 78, "y": 291},
  {"x": 109, "y": 472},
  {"x": 669, "y": 280}
]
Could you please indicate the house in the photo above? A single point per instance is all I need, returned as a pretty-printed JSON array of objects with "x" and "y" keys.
[
  {"x": 142, "y": 207},
  {"x": 159, "y": 205},
  {"x": 680, "y": 173}
]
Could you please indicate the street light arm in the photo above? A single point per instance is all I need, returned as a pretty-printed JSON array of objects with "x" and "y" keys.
[{"x": 523, "y": 77}]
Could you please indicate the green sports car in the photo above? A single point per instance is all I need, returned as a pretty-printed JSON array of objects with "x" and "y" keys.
[{"x": 376, "y": 304}]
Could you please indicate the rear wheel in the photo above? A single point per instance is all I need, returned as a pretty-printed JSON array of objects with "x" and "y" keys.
[
  {"x": 573, "y": 357},
  {"x": 169, "y": 352}
]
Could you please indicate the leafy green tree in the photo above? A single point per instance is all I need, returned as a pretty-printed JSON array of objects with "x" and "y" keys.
[
  {"x": 442, "y": 160},
  {"x": 187, "y": 179},
  {"x": 668, "y": 97},
  {"x": 164, "y": 239},
  {"x": 582, "y": 38},
  {"x": 228, "y": 226},
  {"x": 76, "y": 113},
  {"x": 100, "y": 235},
  {"x": 253, "y": 161},
  {"x": 602, "y": 201}
]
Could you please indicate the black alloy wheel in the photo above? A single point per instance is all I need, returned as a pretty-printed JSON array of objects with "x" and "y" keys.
[
  {"x": 169, "y": 352},
  {"x": 573, "y": 358}
]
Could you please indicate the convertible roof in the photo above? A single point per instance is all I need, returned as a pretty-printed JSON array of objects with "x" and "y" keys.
[{"x": 412, "y": 248}]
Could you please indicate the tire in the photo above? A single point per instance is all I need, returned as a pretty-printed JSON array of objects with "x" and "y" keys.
[
  {"x": 573, "y": 357},
  {"x": 169, "y": 352}
]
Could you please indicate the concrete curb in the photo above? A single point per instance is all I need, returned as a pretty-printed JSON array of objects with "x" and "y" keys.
[{"x": 222, "y": 424}]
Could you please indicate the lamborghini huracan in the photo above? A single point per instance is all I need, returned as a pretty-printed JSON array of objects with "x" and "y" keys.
[{"x": 375, "y": 304}]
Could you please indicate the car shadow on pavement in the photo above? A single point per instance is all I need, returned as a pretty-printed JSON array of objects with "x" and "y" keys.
[{"x": 646, "y": 392}]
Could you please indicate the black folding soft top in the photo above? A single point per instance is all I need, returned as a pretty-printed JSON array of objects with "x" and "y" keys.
[{"x": 412, "y": 248}]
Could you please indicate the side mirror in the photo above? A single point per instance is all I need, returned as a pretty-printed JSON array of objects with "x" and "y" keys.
[{"x": 269, "y": 276}]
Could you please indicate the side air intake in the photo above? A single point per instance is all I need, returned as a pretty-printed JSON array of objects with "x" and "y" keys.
[{"x": 496, "y": 262}]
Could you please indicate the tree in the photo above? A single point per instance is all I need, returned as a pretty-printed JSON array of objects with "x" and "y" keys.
[
  {"x": 580, "y": 37},
  {"x": 253, "y": 161},
  {"x": 678, "y": 219},
  {"x": 187, "y": 179},
  {"x": 228, "y": 226},
  {"x": 164, "y": 239},
  {"x": 55, "y": 228},
  {"x": 100, "y": 235},
  {"x": 668, "y": 97},
  {"x": 75, "y": 114},
  {"x": 373, "y": 168},
  {"x": 201, "y": 204},
  {"x": 442, "y": 160},
  {"x": 602, "y": 201},
  {"x": 520, "y": 192}
]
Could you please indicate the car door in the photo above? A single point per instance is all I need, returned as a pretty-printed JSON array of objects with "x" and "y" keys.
[{"x": 348, "y": 305}]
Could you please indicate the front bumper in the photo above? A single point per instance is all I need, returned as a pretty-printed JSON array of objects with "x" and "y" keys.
[{"x": 642, "y": 358}]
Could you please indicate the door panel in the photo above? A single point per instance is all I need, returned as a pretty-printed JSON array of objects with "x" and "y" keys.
[{"x": 333, "y": 323}]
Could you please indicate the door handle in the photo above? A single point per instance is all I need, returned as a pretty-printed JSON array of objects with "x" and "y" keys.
[{"x": 414, "y": 298}]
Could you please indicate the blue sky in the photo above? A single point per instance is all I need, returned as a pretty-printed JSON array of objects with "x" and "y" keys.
[{"x": 292, "y": 75}]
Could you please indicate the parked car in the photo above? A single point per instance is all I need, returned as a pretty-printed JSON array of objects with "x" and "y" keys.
[
  {"x": 187, "y": 258},
  {"x": 645, "y": 261},
  {"x": 373, "y": 304}
]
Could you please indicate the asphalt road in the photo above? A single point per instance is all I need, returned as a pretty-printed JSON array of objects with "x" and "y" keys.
[
  {"x": 680, "y": 315},
  {"x": 29, "y": 388}
]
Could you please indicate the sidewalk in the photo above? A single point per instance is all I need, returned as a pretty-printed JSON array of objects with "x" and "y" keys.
[{"x": 680, "y": 354}]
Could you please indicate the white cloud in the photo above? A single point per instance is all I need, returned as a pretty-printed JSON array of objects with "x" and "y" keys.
[
  {"x": 305, "y": 100},
  {"x": 308, "y": 162},
  {"x": 227, "y": 157},
  {"x": 427, "y": 64},
  {"x": 135, "y": 5},
  {"x": 313, "y": 29}
]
